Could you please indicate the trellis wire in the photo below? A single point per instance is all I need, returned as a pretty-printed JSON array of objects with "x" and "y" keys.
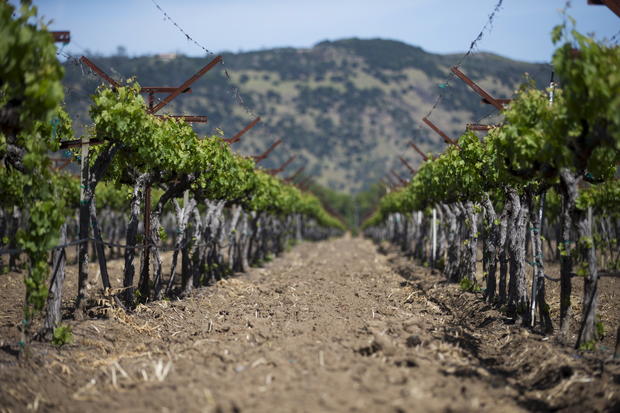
[
  {"x": 614, "y": 39},
  {"x": 7, "y": 251},
  {"x": 472, "y": 46},
  {"x": 234, "y": 90}
]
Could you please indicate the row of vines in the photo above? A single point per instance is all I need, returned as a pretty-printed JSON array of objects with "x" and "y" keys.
[
  {"x": 213, "y": 208},
  {"x": 542, "y": 185}
]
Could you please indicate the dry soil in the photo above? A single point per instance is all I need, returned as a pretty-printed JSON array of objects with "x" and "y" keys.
[{"x": 334, "y": 326}]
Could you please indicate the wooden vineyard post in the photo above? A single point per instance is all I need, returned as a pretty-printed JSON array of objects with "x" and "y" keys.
[
  {"x": 53, "y": 315},
  {"x": 84, "y": 219},
  {"x": 537, "y": 259},
  {"x": 552, "y": 89},
  {"x": 538, "y": 276},
  {"x": 143, "y": 288},
  {"x": 434, "y": 238},
  {"x": 534, "y": 275}
]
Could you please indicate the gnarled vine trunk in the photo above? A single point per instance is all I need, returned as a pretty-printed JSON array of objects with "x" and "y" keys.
[
  {"x": 243, "y": 243},
  {"x": 182, "y": 217},
  {"x": 505, "y": 228},
  {"x": 518, "y": 302},
  {"x": 233, "y": 237},
  {"x": 490, "y": 244},
  {"x": 453, "y": 240},
  {"x": 538, "y": 277},
  {"x": 471, "y": 243},
  {"x": 568, "y": 189}
]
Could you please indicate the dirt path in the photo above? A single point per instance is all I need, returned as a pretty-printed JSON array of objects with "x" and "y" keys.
[{"x": 331, "y": 326}]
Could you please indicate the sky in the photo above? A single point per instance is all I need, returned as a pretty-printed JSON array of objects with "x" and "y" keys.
[{"x": 521, "y": 29}]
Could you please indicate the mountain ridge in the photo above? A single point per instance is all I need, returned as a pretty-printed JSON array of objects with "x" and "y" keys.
[{"x": 346, "y": 107}]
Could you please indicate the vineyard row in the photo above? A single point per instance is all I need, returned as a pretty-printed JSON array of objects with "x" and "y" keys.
[{"x": 550, "y": 168}]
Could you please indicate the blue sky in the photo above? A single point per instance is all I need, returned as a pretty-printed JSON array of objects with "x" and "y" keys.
[{"x": 521, "y": 29}]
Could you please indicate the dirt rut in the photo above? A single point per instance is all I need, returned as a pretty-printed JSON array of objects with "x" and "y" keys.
[{"x": 330, "y": 326}]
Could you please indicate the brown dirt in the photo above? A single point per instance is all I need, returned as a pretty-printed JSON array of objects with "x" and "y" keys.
[
  {"x": 330, "y": 326},
  {"x": 608, "y": 311}
]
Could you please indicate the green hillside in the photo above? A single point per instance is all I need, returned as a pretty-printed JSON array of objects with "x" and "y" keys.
[{"x": 346, "y": 107}]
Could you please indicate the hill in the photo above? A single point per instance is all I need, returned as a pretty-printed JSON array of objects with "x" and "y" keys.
[{"x": 346, "y": 107}]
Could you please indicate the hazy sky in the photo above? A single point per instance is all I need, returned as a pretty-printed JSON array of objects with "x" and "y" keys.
[{"x": 521, "y": 29}]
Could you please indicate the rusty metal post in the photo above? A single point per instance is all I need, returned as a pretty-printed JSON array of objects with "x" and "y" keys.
[
  {"x": 242, "y": 131},
  {"x": 477, "y": 88},
  {"x": 61, "y": 36},
  {"x": 398, "y": 178},
  {"x": 445, "y": 137},
  {"x": 296, "y": 174},
  {"x": 258, "y": 158},
  {"x": 186, "y": 84},
  {"x": 84, "y": 226},
  {"x": 404, "y": 161},
  {"x": 422, "y": 154},
  {"x": 99, "y": 72}
]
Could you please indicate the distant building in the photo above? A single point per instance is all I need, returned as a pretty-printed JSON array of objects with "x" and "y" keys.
[{"x": 166, "y": 56}]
